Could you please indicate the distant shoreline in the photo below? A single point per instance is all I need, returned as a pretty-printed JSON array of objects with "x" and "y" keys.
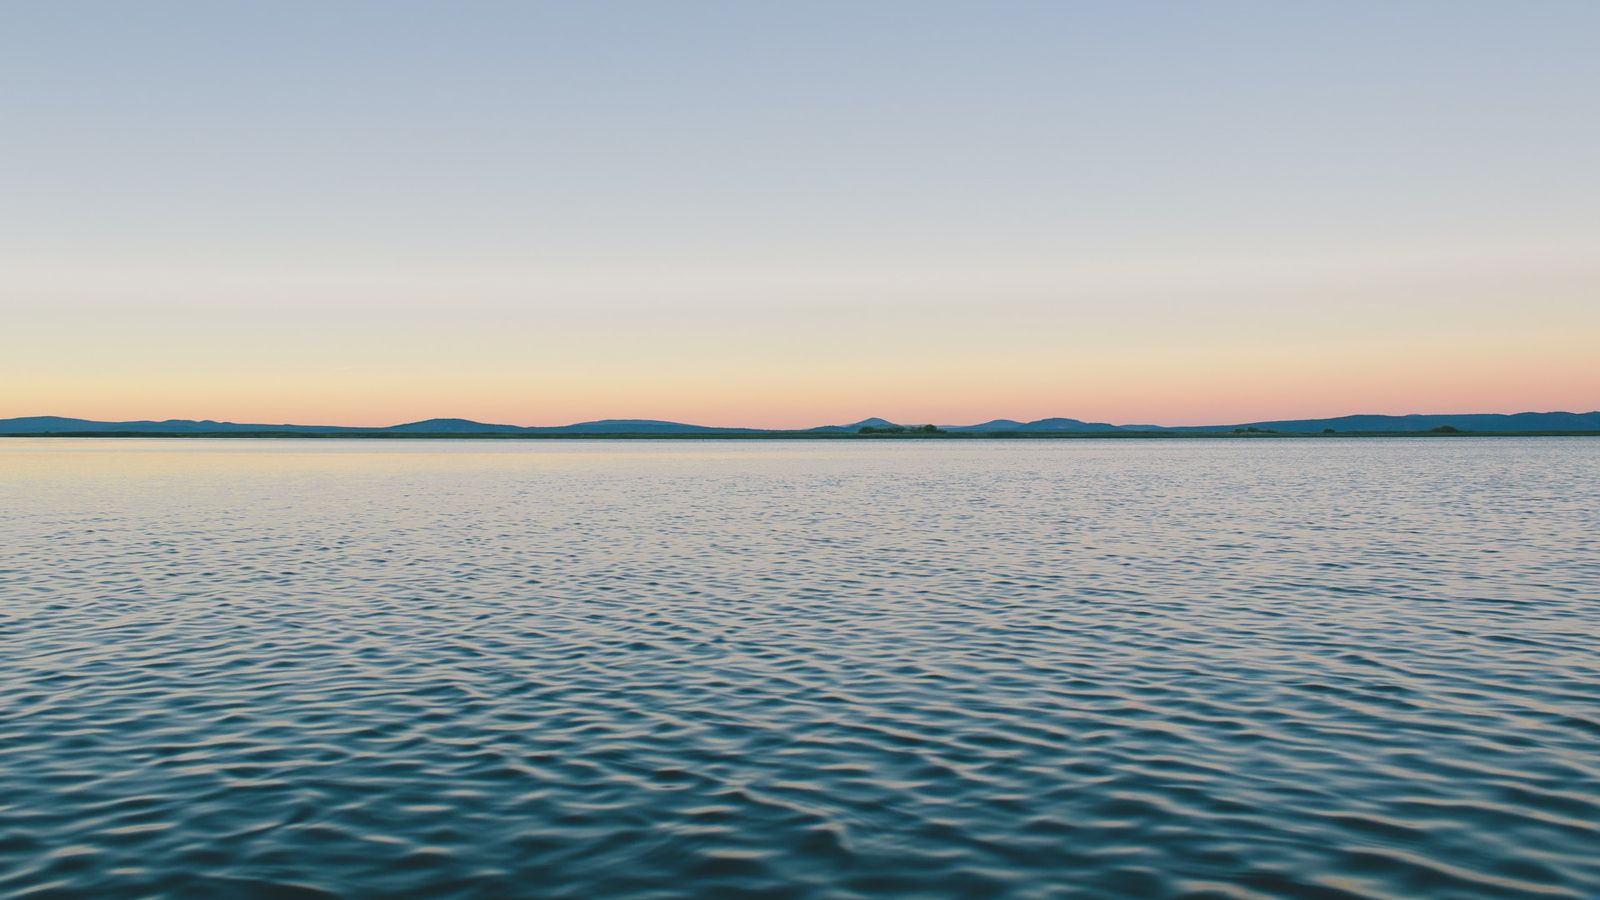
[
  {"x": 792, "y": 435},
  {"x": 1523, "y": 424}
]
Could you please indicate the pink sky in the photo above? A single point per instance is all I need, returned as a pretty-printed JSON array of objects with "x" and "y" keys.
[{"x": 788, "y": 368}]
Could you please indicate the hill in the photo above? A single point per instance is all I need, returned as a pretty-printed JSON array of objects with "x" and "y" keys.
[{"x": 1473, "y": 422}]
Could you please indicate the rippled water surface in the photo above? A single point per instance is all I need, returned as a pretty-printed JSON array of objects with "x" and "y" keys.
[{"x": 571, "y": 669}]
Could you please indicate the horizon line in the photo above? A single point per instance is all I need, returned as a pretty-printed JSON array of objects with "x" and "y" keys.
[{"x": 865, "y": 421}]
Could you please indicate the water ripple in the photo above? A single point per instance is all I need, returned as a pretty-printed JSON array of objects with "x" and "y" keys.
[{"x": 479, "y": 669}]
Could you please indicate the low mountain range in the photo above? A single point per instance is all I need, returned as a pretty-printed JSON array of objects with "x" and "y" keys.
[{"x": 1366, "y": 424}]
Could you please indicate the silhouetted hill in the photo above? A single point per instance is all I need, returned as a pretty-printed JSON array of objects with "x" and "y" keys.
[
  {"x": 450, "y": 426},
  {"x": 61, "y": 425},
  {"x": 1478, "y": 422},
  {"x": 632, "y": 426},
  {"x": 1472, "y": 422},
  {"x": 1056, "y": 424},
  {"x": 991, "y": 425},
  {"x": 873, "y": 422}
]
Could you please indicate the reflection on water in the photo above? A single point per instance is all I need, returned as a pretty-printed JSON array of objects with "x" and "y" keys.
[{"x": 1145, "y": 668}]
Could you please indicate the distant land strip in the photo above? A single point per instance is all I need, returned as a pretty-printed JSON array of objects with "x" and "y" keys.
[{"x": 1433, "y": 425}]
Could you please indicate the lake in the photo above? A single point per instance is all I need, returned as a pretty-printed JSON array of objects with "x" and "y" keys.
[{"x": 1222, "y": 668}]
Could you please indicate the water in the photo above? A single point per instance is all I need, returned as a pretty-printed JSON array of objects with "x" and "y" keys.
[{"x": 613, "y": 669}]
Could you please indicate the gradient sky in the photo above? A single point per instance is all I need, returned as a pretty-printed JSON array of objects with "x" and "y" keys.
[{"x": 780, "y": 214}]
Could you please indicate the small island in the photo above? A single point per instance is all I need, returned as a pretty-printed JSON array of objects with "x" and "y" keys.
[{"x": 900, "y": 429}]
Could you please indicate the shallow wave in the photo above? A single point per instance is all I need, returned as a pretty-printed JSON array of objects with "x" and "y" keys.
[{"x": 1231, "y": 669}]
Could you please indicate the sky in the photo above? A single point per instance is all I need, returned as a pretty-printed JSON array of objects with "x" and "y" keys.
[{"x": 790, "y": 214}]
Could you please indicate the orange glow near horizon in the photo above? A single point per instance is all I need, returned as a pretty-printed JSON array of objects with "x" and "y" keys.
[{"x": 780, "y": 370}]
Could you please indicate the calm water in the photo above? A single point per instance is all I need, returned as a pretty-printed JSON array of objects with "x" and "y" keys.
[{"x": 1098, "y": 668}]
